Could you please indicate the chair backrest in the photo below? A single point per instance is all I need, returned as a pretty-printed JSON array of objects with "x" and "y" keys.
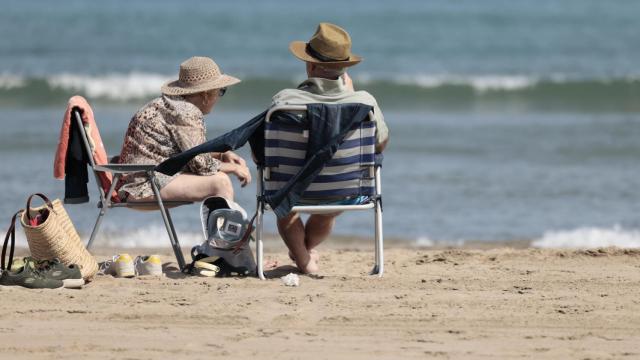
[
  {"x": 103, "y": 181},
  {"x": 350, "y": 173}
]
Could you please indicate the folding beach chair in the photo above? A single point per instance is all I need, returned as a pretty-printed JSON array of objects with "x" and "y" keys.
[
  {"x": 352, "y": 172},
  {"x": 117, "y": 170}
]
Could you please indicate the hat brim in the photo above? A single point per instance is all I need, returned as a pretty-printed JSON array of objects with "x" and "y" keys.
[
  {"x": 299, "y": 50},
  {"x": 175, "y": 87}
]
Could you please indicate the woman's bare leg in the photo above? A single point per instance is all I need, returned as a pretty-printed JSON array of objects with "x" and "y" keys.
[{"x": 189, "y": 187}]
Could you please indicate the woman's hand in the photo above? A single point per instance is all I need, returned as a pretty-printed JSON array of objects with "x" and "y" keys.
[
  {"x": 231, "y": 157},
  {"x": 240, "y": 171},
  {"x": 239, "y": 168}
]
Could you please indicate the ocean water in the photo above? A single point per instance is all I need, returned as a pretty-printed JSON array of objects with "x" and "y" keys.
[{"x": 509, "y": 120}]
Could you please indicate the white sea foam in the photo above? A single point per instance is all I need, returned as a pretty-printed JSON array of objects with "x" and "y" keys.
[
  {"x": 480, "y": 83},
  {"x": 151, "y": 237},
  {"x": 112, "y": 86},
  {"x": 8, "y": 81},
  {"x": 424, "y": 241},
  {"x": 589, "y": 237}
]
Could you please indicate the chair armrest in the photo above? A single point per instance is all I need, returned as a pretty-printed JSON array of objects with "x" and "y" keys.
[{"x": 124, "y": 168}]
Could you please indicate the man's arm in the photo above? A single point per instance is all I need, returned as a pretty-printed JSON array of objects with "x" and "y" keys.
[
  {"x": 382, "y": 131},
  {"x": 380, "y": 147}
]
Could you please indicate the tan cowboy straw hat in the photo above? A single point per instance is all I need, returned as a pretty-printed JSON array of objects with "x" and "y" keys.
[
  {"x": 198, "y": 74},
  {"x": 329, "y": 46}
]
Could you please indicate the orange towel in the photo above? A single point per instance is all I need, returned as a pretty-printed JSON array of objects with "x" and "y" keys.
[{"x": 99, "y": 153}]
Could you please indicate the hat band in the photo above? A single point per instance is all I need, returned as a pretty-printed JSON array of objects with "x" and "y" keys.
[{"x": 311, "y": 51}]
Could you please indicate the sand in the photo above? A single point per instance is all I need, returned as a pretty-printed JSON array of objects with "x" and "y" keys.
[{"x": 431, "y": 303}]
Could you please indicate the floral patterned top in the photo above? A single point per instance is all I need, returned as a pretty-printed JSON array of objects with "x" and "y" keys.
[{"x": 162, "y": 128}]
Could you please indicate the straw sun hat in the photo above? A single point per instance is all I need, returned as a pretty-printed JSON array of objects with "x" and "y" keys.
[
  {"x": 329, "y": 46},
  {"x": 198, "y": 74}
]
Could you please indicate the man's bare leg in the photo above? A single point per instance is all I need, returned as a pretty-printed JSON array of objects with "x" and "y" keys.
[
  {"x": 292, "y": 231},
  {"x": 318, "y": 228}
]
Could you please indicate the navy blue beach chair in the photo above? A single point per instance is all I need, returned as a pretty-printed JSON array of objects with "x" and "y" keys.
[{"x": 353, "y": 173}]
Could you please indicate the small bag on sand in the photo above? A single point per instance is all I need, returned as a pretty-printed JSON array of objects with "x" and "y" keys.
[
  {"x": 51, "y": 234},
  {"x": 226, "y": 231}
]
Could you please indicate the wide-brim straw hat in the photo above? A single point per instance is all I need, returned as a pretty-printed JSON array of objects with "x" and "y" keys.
[
  {"x": 329, "y": 46},
  {"x": 198, "y": 74}
]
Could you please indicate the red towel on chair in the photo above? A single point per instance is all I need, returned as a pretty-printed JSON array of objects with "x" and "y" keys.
[{"x": 99, "y": 153}]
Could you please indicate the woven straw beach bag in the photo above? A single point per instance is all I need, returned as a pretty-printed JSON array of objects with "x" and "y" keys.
[{"x": 53, "y": 235}]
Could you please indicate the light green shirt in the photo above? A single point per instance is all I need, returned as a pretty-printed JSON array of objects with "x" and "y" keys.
[{"x": 319, "y": 90}]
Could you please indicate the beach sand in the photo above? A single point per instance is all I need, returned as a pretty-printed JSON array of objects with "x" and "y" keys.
[{"x": 431, "y": 303}]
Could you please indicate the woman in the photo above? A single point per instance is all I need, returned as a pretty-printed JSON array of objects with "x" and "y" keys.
[{"x": 173, "y": 123}]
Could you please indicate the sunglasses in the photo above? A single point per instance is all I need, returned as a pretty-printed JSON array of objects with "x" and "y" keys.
[{"x": 222, "y": 91}]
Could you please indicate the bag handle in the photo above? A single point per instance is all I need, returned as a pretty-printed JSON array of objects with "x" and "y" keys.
[
  {"x": 247, "y": 234},
  {"x": 11, "y": 233},
  {"x": 43, "y": 197}
]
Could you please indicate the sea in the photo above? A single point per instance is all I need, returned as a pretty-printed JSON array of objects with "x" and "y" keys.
[{"x": 509, "y": 120}]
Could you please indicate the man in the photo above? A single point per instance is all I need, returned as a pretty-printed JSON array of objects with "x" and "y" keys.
[{"x": 327, "y": 56}]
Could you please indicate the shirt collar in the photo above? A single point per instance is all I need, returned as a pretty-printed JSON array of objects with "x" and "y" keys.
[
  {"x": 178, "y": 106},
  {"x": 322, "y": 86}
]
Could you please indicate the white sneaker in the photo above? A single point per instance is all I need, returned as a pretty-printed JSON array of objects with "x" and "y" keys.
[
  {"x": 148, "y": 265},
  {"x": 124, "y": 266}
]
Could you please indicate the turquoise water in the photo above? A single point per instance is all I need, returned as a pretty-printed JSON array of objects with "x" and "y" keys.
[{"x": 509, "y": 120}]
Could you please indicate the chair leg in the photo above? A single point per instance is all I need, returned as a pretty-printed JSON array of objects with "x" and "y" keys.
[
  {"x": 177, "y": 249},
  {"x": 96, "y": 227},
  {"x": 106, "y": 202},
  {"x": 168, "y": 223},
  {"x": 378, "y": 268},
  {"x": 259, "y": 245}
]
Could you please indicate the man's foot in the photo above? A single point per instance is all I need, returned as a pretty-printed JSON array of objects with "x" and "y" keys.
[
  {"x": 312, "y": 253},
  {"x": 310, "y": 267},
  {"x": 270, "y": 264}
]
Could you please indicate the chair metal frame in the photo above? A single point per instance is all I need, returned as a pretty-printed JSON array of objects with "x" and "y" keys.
[
  {"x": 117, "y": 171},
  {"x": 375, "y": 203}
]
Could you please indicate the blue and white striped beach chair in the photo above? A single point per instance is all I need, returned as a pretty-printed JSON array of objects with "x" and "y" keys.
[{"x": 351, "y": 176}]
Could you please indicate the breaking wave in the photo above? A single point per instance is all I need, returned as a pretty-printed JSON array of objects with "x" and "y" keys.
[
  {"x": 419, "y": 91},
  {"x": 589, "y": 237}
]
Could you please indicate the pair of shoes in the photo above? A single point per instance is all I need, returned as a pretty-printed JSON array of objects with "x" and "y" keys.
[
  {"x": 45, "y": 274},
  {"x": 55, "y": 269},
  {"x": 215, "y": 266},
  {"x": 124, "y": 266}
]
